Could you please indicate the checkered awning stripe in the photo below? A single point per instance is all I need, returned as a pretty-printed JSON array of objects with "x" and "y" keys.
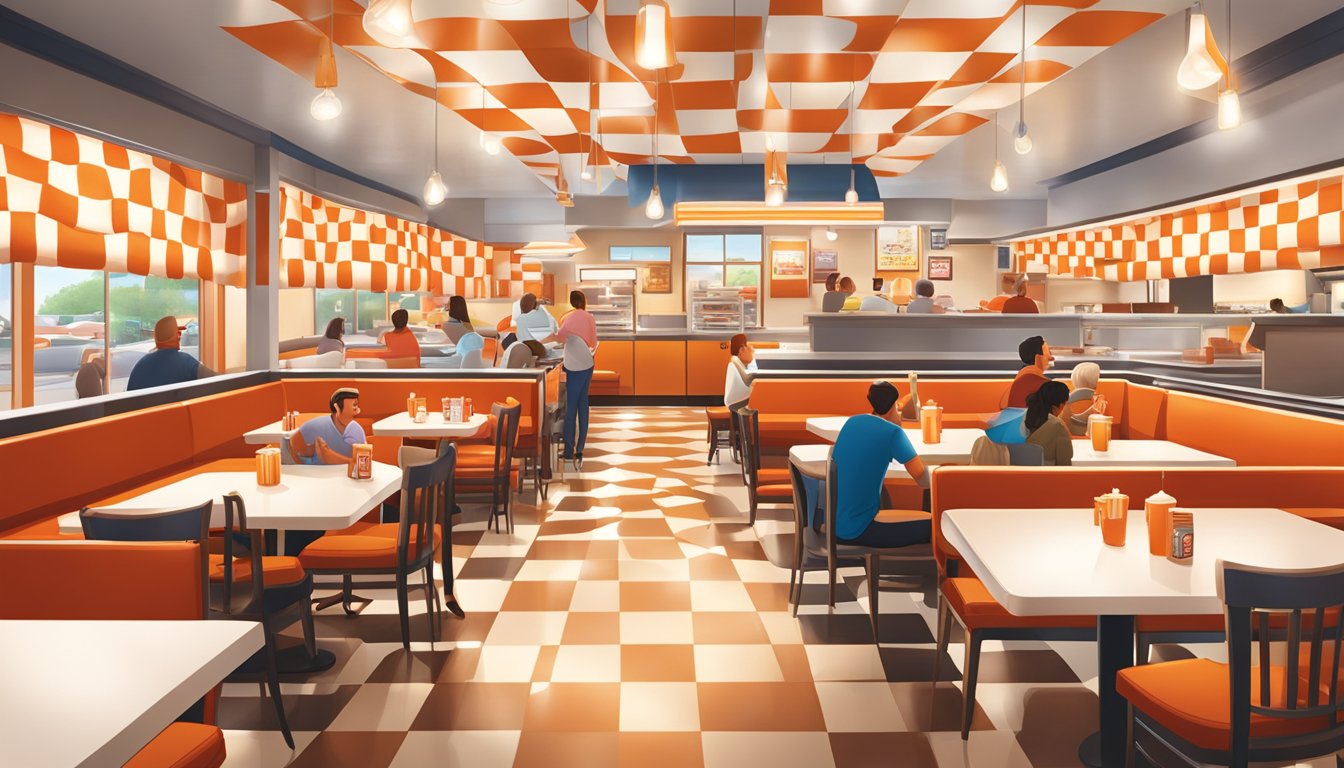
[{"x": 71, "y": 200}]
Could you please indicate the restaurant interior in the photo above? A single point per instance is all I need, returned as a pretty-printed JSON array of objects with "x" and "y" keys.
[{"x": 672, "y": 383}]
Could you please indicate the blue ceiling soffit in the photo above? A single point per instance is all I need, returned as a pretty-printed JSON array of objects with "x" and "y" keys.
[{"x": 739, "y": 183}]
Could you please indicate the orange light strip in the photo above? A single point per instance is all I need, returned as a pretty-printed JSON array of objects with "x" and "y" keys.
[{"x": 816, "y": 214}]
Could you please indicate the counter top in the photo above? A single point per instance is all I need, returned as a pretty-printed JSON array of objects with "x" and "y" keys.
[{"x": 681, "y": 334}]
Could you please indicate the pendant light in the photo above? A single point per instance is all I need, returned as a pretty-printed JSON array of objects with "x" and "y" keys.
[
  {"x": 1203, "y": 64},
  {"x": 1021, "y": 140},
  {"x": 391, "y": 23},
  {"x": 589, "y": 158},
  {"x": 831, "y": 234},
  {"x": 326, "y": 105},
  {"x": 998, "y": 181},
  {"x": 1229, "y": 103},
  {"x": 435, "y": 190},
  {"x": 654, "y": 207},
  {"x": 653, "y": 35},
  {"x": 489, "y": 141},
  {"x": 851, "y": 194}
]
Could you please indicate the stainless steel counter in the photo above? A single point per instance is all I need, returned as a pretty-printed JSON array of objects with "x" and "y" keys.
[{"x": 1303, "y": 353}]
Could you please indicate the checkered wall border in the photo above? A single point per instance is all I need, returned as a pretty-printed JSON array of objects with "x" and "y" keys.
[
  {"x": 70, "y": 200},
  {"x": 1292, "y": 226}
]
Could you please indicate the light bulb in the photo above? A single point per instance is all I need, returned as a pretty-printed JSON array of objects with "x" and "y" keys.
[
  {"x": 435, "y": 191},
  {"x": 1021, "y": 139},
  {"x": 654, "y": 207},
  {"x": 1198, "y": 70},
  {"x": 998, "y": 182},
  {"x": 652, "y": 36},
  {"x": 1229, "y": 109},
  {"x": 851, "y": 196},
  {"x": 774, "y": 195},
  {"x": 490, "y": 143},
  {"x": 391, "y": 23},
  {"x": 831, "y": 234},
  {"x": 326, "y": 105},
  {"x": 587, "y": 173}
]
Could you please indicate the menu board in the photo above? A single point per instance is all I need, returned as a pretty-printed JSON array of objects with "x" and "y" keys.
[{"x": 789, "y": 268}]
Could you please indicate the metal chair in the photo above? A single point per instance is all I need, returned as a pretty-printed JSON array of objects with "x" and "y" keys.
[
  {"x": 397, "y": 549},
  {"x": 191, "y": 524},
  {"x": 1287, "y": 708},
  {"x": 769, "y": 486},
  {"x": 490, "y": 467},
  {"x": 809, "y": 544}
]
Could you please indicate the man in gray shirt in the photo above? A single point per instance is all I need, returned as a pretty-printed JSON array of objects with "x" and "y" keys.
[{"x": 330, "y": 440}]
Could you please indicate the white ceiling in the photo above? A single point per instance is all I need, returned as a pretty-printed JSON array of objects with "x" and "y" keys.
[{"x": 1120, "y": 98}]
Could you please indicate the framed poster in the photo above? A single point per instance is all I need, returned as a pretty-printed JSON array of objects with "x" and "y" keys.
[
  {"x": 937, "y": 239},
  {"x": 824, "y": 262},
  {"x": 940, "y": 267},
  {"x": 898, "y": 248},
  {"x": 788, "y": 268},
  {"x": 658, "y": 278}
]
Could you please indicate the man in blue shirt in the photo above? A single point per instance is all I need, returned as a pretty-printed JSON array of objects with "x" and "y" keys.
[
  {"x": 167, "y": 364},
  {"x": 331, "y": 440},
  {"x": 866, "y": 445}
]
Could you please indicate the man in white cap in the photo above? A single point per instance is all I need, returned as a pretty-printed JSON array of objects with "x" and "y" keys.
[{"x": 167, "y": 364}]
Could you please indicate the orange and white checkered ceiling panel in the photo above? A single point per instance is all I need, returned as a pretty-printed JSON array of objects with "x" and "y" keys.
[
  {"x": 328, "y": 245},
  {"x": 923, "y": 72},
  {"x": 70, "y": 200},
  {"x": 1294, "y": 225}
]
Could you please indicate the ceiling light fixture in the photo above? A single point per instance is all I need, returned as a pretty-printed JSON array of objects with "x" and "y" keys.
[
  {"x": 1202, "y": 65},
  {"x": 435, "y": 190},
  {"x": 998, "y": 181},
  {"x": 391, "y": 23},
  {"x": 1021, "y": 140},
  {"x": 586, "y": 172},
  {"x": 653, "y": 35},
  {"x": 489, "y": 141},
  {"x": 654, "y": 207},
  {"x": 831, "y": 234},
  {"x": 326, "y": 105},
  {"x": 851, "y": 194},
  {"x": 1229, "y": 102}
]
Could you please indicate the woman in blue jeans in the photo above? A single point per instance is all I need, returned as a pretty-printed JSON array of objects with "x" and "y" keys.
[{"x": 578, "y": 332}]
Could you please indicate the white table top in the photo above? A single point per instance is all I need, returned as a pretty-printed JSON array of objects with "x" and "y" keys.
[
  {"x": 402, "y": 425},
  {"x": 270, "y": 433},
  {"x": 93, "y": 693},
  {"x": 309, "y": 497},
  {"x": 811, "y": 461},
  {"x": 1051, "y": 562},
  {"x": 1145, "y": 453},
  {"x": 954, "y": 447}
]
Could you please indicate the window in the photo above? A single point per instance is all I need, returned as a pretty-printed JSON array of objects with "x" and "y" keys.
[
  {"x": 333, "y": 302},
  {"x": 68, "y": 329},
  {"x": 6, "y": 337},
  {"x": 371, "y": 309},
  {"x": 135, "y": 304},
  {"x": 640, "y": 253},
  {"x": 728, "y": 260}
]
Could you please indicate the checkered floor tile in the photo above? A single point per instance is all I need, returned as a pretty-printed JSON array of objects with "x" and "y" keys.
[{"x": 635, "y": 619}]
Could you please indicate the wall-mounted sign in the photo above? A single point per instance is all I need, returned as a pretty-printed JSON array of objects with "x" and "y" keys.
[
  {"x": 788, "y": 268},
  {"x": 937, "y": 239},
  {"x": 898, "y": 249},
  {"x": 940, "y": 267},
  {"x": 658, "y": 278},
  {"x": 824, "y": 262}
]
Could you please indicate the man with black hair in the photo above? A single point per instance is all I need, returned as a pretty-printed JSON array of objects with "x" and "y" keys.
[
  {"x": 865, "y": 447},
  {"x": 329, "y": 440},
  {"x": 1036, "y": 358}
]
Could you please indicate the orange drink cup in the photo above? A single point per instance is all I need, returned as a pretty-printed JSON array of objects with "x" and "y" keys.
[
  {"x": 411, "y": 405},
  {"x": 1114, "y": 518},
  {"x": 931, "y": 424},
  {"x": 1099, "y": 427},
  {"x": 268, "y": 466},
  {"x": 1157, "y": 508}
]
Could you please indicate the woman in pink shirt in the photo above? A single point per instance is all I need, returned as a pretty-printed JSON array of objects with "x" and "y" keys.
[{"x": 578, "y": 332}]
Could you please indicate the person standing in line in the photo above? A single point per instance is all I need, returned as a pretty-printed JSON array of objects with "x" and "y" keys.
[{"x": 578, "y": 332}]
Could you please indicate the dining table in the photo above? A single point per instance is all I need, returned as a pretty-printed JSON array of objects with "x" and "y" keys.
[
  {"x": 434, "y": 426},
  {"x": 94, "y": 693},
  {"x": 1072, "y": 572}
]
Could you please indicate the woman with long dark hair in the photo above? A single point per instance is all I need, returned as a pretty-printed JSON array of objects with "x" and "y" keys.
[
  {"x": 331, "y": 340},
  {"x": 1044, "y": 426},
  {"x": 578, "y": 332},
  {"x": 458, "y": 323}
]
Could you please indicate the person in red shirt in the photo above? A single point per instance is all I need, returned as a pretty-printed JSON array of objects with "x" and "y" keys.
[
  {"x": 400, "y": 341},
  {"x": 1036, "y": 357},
  {"x": 1020, "y": 304}
]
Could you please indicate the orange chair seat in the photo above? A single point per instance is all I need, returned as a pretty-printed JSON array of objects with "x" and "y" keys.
[
  {"x": 275, "y": 571},
  {"x": 773, "y": 491},
  {"x": 182, "y": 745},
  {"x": 968, "y": 598},
  {"x": 1191, "y": 699},
  {"x": 606, "y": 376},
  {"x": 773, "y": 476},
  {"x": 355, "y": 551},
  {"x": 718, "y": 415},
  {"x": 476, "y": 454},
  {"x": 902, "y": 516},
  {"x": 1210, "y": 623},
  {"x": 385, "y": 530}
]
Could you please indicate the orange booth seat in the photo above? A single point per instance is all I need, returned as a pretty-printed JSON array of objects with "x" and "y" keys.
[{"x": 74, "y": 465}]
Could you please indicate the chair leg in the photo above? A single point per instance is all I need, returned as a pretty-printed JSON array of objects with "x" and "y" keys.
[
  {"x": 1142, "y": 648},
  {"x": 1129, "y": 737},
  {"x": 830, "y": 571},
  {"x": 751, "y": 515},
  {"x": 431, "y": 597},
  {"x": 874, "y": 576},
  {"x": 309, "y": 632},
  {"x": 968, "y": 682},
  {"x": 347, "y": 592},
  {"x": 273, "y": 683},
  {"x": 798, "y": 594},
  {"x": 944, "y": 634},
  {"x": 713, "y": 440},
  {"x": 404, "y": 609}
]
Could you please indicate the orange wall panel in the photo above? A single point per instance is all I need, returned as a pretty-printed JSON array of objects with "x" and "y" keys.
[
  {"x": 618, "y": 356},
  {"x": 706, "y": 362},
  {"x": 660, "y": 368}
]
